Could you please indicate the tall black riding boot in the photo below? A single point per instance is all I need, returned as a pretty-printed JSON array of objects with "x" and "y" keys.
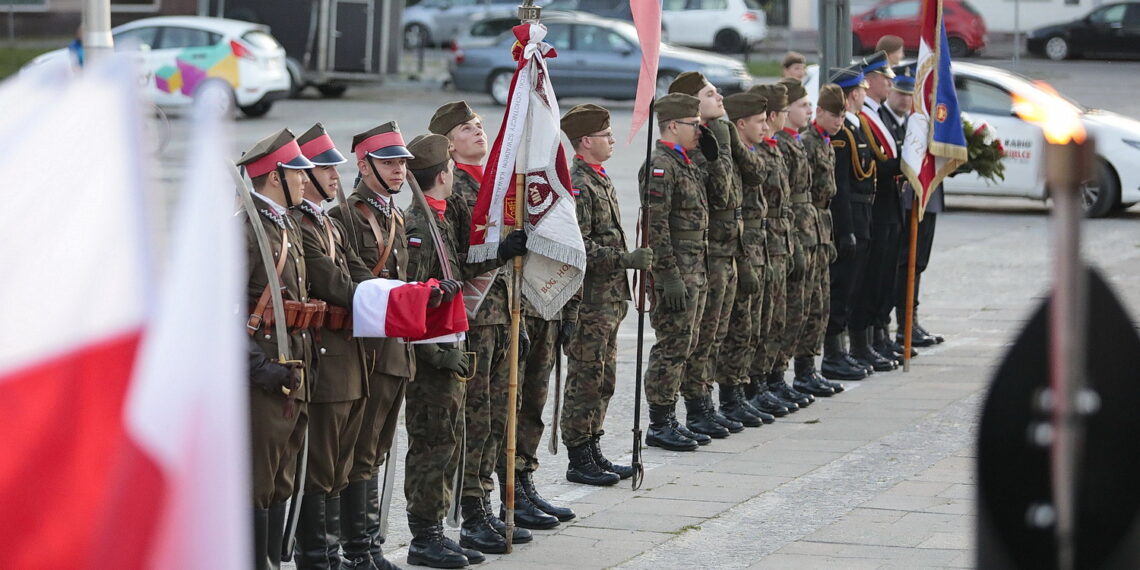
[
  {"x": 526, "y": 483},
  {"x": 583, "y": 469},
  {"x": 862, "y": 352},
  {"x": 527, "y": 514},
  {"x": 260, "y": 539},
  {"x": 476, "y": 532},
  {"x": 733, "y": 407},
  {"x": 354, "y": 527},
  {"x": 275, "y": 535},
  {"x": 807, "y": 381},
  {"x": 429, "y": 546},
  {"x": 520, "y": 534},
  {"x": 311, "y": 552},
  {"x": 699, "y": 420},
  {"x": 663, "y": 432},
  {"x": 375, "y": 540},
  {"x": 332, "y": 531},
  {"x": 835, "y": 365},
  {"x": 622, "y": 471}
]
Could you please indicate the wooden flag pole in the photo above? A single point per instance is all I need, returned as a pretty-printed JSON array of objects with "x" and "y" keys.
[
  {"x": 513, "y": 385},
  {"x": 912, "y": 256}
]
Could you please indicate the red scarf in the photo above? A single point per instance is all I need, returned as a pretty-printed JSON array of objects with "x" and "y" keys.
[
  {"x": 475, "y": 170},
  {"x": 440, "y": 206},
  {"x": 597, "y": 167},
  {"x": 678, "y": 148}
]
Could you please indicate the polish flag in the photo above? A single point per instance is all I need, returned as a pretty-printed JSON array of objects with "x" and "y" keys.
[
  {"x": 388, "y": 308},
  {"x": 121, "y": 403}
]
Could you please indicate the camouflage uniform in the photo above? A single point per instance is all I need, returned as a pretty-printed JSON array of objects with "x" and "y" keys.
[
  {"x": 723, "y": 189},
  {"x": 604, "y": 300},
  {"x": 678, "y": 228},
  {"x": 821, "y": 157},
  {"x": 534, "y": 383},
  {"x": 805, "y": 223},
  {"x": 778, "y": 244},
  {"x": 740, "y": 345}
]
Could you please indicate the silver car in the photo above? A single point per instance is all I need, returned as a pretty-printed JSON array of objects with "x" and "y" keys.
[
  {"x": 438, "y": 22},
  {"x": 597, "y": 57}
]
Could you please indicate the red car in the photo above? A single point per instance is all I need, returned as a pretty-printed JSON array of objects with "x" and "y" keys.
[{"x": 965, "y": 28}]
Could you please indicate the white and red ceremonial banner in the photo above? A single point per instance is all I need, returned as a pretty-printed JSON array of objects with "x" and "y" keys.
[
  {"x": 394, "y": 309},
  {"x": 647, "y": 21},
  {"x": 935, "y": 144},
  {"x": 530, "y": 143},
  {"x": 122, "y": 403}
]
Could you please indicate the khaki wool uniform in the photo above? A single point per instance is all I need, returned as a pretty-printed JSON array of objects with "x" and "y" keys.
[
  {"x": 390, "y": 360},
  {"x": 678, "y": 234},
  {"x": 805, "y": 232},
  {"x": 338, "y": 388},
  {"x": 603, "y": 302},
  {"x": 821, "y": 157},
  {"x": 746, "y": 332},
  {"x": 778, "y": 245},
  {"x": 277, "y": 439}
]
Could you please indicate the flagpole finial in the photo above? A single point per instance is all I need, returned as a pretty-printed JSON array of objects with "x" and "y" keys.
[{"x": 528, "y": 12}]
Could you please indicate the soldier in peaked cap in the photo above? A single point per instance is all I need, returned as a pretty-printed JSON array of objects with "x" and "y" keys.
[
  {"x": 602, "y": 302},
  {"x": 376, "y": 231},
  {"x": 278, "y": 396},
  {"x": 727, "y": 262}
]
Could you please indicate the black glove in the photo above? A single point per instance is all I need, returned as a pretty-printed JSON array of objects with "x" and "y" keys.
[
  {"x": 450, "y": 288},
  {"x": 435, "y": 297},
  {"x": 709, "y": 147},
  {"x": 524, "y": 344},
  {"x": 565, "y": 331},
  {"x": 847, "y": 244},
  {"x": 513, "y": 245},
  {"x": 451, "y": 359},
  {"x": 269, "y": 375}
]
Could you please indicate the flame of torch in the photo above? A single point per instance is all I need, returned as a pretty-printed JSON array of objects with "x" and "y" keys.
[{"x": 1058, "y": 118}]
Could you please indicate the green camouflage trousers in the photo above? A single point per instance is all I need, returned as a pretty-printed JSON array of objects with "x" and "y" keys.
[
  {"x": 773, "y": 312},
  {"x": 590, "y": 371},
  {"x": 735, "y": 355},
  {"x": 434, "y": 402},
  {"x": 677, "y": 333},
  {"x": 796, "y": 307},
  {"x": 817, "y": 302},
  {"x": 534, "y": 380},
  {"x": 485, "y": 409},
  {"x": 713, "y": 327}
]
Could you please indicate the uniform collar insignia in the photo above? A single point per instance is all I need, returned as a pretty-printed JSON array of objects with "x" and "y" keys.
[{"x": 274, "y": 217}]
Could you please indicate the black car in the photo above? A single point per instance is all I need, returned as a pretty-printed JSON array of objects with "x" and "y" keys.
[{"x": 1112, "y": 30}]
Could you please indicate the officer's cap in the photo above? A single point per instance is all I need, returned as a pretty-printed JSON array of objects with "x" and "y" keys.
[
  {"x": 831, "y": 99},
  {"x": 449, "y": 116},
  {"x": 277, "y": 149},
  {"x": 430, "y": 150},
  {"x": 677, "y": 106},
  {"x": 384, "y": 141},
  {"x": 904, "y": 79},
  {"x": 848, "y": 77},
  {"x": 796, "y": 90},
  {"x": 318, "y": 147},
  {"x": 689, "y": 83},
  {"x": 743, "y": 105},
  {"x": 585, "y": 119},
  {"x": 775, "y": 93},
  {"x": 877, "y": 63}
]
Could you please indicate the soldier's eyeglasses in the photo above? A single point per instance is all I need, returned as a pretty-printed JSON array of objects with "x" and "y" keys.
[
  {"x": 605, "y": 136},
  {"x": 694, "y": 124}
]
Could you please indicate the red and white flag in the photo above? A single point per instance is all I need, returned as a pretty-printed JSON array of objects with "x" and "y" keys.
[
  {"x": 122, "y": 403},
  {"x": 388, "y": 308},
  {"x": 529, "y": 143},
  {"x": 647, "y": 20}
]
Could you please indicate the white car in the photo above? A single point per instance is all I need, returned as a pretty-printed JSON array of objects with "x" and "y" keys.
[
  {"x": 986, "y": 94},
  {"x": 180, "y": 54},
  {"x": 728, "y": 26}
]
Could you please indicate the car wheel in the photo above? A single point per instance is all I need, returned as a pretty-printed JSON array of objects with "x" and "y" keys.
[
  {"x": 728, "y": 41},
  {"x": 856, "y": 45},
  {"x": 257, "y": 109},
  {"x": 296, "y": 84},
  {"x": 499, "y": 86},
  {"x": 664, "y": 80},
  {"x": 416, "y": 35},
  {"x": 217, "y": 93},
  {"x": 1100, "y": 194},
  {"x": 958, "y": 47},
  {"x": 1057, "y": 48},
  {"x": 332, "y": 90}
]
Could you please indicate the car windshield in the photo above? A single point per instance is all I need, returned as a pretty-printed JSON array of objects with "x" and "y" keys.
[{"x": 1031, "y": 89}]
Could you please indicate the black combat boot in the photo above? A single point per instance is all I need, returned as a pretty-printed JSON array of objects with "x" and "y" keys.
[
  {"x": 429, "y": 546},
  {"x": 526, "y": 483},
  {"x": 780, "y": 388},
  {"x": 851, "y": 359},
  {"x": 767, "y": 402},
  {"x": 938, "y": 339},
  {"x": 527, "y": 514},
  {"x": 354, "y": 527},
  {"x": 883, "y": 346},
  {"x": 740, "y": 393},
  {"x": 733, "y": 407},
  {"x": 834, "y": 365},
  {"x": 311, "y": 551},
  {"x": 699, "y": 420},
  {"x": 519, "y": 535},
  {"x": 476, "y": 532},
  {"x": 663, "y": 432},
  {"x": 861, "y": 350},
  {"x": 731, "y": 425},
  {"x": 622, "y": 471},
  {"x": 275, "y": 536},
  {"x": 807, "y": 381},
  {"x": 583, "y": 469},
  {"x": 894, "y": 346},
  {"x": 260, "y": 539},
  {"x": 700, "y": 438}
]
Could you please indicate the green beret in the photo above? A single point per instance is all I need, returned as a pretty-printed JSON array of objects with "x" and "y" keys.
[
  {"x": 831, "y": 99},
  {"x": 689, "y": 83},
  {"x": 775, "y": 93},
  {"x": 430, "y": 150},
  {"x": 449, "y": 116},
  {"x": 677, "y": 106},
  {"x": 585, "y": 119},
  {"x": 796, "y": 89},
  {"x": 742, "y": 105}
]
